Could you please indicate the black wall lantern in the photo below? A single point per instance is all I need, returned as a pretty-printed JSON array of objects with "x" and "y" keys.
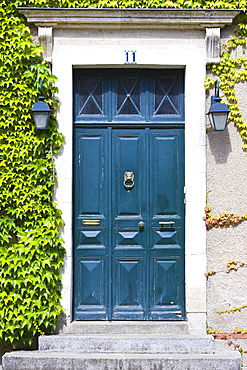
[
  {"x": 41, "y": 112},
  {"x": 218, "y": 112}
]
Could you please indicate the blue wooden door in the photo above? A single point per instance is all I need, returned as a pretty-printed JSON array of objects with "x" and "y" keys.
[{"x": 129, "y": 221}]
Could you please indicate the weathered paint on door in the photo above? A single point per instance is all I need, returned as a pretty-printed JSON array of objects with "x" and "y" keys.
[{"x": 129, "y": 223}]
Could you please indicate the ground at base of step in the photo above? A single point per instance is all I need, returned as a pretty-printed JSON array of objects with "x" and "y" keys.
[{"x": 219, "y": 360}]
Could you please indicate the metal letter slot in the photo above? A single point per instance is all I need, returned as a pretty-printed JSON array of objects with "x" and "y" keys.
[
  {"x": 91, "y": 222},
  {"x": 163, "y": 223}
]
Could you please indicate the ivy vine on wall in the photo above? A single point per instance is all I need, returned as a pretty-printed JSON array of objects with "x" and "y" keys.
[
  {"x": 232, "y": 70},
  {"x": 223, "y": 219},
  {"x": 31, "y": 249}
]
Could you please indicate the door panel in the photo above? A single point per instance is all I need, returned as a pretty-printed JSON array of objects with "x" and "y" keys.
[
  {"x": 92, "y": 293},
  {"x": 128, "y": 287},
  {"x": 164, "y": 165},
  {"x": 165, "y": 287},
  {"x": 91, "y": 152},
  {"x": 167, "y": 224},
  {"x": 128, "y": 147},
  {"x": 128, "y": 156},
  {"x": 125, "y": 270},
  {"x": 91, "y": 225}
]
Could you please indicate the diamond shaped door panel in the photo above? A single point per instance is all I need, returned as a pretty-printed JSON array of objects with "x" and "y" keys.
[
  {"x": 129, "y": 289},
  {"x": 92, "y": 292},
  {"x": 128, "y": 239},
  {"x": 92, "y": 238},
  {"x": 164, "y": 287},
  {"x": 165, "y": 238},
  {"x": 165, "y": 290}
]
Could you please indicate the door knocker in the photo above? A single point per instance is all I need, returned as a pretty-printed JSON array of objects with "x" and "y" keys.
[{"x": 129, "y": 180}]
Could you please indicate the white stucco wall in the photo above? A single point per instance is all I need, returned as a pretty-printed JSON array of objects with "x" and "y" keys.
[
  {"x": 226, "y": 181},
  {"x": 227, "y": 171}
]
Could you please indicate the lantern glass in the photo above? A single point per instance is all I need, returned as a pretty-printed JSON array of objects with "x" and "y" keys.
[
  {"x": 41, "y": 120},
  {"x": 218, "y": 112},
  {"x": 41, "y": 114},
  {"x": 218, "y": 120}
]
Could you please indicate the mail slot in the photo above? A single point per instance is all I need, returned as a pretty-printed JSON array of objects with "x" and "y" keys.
[{"x": 91, "y": 222}]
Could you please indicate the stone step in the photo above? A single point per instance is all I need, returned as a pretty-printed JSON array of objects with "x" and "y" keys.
[
  {"x": 126, "y": 327},
  {"x": 127, "y": 343},
  {"x": 41, "y": 360}
]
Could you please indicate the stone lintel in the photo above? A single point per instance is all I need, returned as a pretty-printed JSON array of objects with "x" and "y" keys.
[{"x": 119, "y": 19}]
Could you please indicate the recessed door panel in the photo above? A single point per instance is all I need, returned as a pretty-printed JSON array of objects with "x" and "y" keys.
[
  {"x": 92, "y": 292},
  {"x": 91, "y": 174},
  {"x": 165, "y": 237},
  {"x": 166, "y": 294},
  {"x": 128, "y": 238},
  {"x": 128, "y": 173},
  {"x": 129, "y": 293},
  {"x": 92, "y": 238},
  {"x": 165, "y": 161}
]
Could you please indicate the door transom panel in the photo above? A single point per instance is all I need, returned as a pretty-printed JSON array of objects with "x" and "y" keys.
[{"x": 146, "y": 96}]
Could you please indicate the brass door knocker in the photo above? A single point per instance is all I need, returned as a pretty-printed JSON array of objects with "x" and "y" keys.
[{"x": 129, "y": 180}]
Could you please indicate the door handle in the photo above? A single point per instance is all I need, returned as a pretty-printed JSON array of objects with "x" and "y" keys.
[
  {"x": 164, "y": 223},
  {"x": 141, "y": 224}
]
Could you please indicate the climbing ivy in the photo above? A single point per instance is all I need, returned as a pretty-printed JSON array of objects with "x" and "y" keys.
[
  {"x": 223, "y": 219},
  {"x": 201, "y": 4},
  {"x": 232, "y": 70},
  {"x": 31, "y": 249},
  {"x": 231, "y": 265}
]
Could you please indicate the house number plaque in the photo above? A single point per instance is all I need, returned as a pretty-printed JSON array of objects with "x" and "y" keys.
[{"x": 130, "y": 57}]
